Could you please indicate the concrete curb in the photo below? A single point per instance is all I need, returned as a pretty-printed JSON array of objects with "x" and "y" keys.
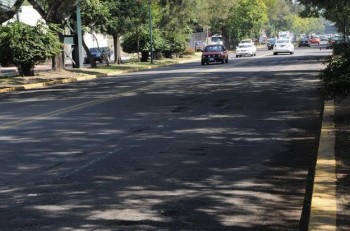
[
  {"x": 85, "y": 77},
  {"x": 323, "y": 214}
]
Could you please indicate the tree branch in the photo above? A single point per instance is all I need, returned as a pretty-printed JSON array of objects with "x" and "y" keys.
[{"x": 7, "y": 15}]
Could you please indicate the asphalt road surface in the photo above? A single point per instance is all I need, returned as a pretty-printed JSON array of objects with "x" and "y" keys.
[{"x": 187, "y": 147}]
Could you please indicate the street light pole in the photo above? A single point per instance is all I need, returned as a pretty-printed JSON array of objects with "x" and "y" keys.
[
  {"x": 150, "y": 29},
  {"x": 79, "y": 45}
]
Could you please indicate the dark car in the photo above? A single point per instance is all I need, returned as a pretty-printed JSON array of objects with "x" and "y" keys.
[
  {"x": 270, "y": 43},
  {"x": 99, "y": 54},
  {"x": 214, "y": 53},
  {"x": 304, "y": 42}
]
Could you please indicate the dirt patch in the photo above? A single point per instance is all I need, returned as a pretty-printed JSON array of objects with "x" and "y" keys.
[{"x": 9, "y": 80}]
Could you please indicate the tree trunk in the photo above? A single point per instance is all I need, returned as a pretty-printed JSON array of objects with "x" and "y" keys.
[
  {"x": 57, "y": 62},
  {"x": 26, "y": 69},
  {"x": 117, "y": 49},
  {"x": 88, "y": 53},
  {"x": 144, "y": 56}
]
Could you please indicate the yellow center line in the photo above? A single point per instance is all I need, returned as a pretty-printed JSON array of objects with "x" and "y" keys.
[{"x": 98, "y": 101}]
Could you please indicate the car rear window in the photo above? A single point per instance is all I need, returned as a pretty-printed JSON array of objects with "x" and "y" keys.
[{"x": 213, "y": 48}]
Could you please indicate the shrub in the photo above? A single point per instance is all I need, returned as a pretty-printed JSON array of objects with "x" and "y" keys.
[
  {"x": 188, "y": 51},
  {"x": 335, "y": 78},
  {"x": 26, "y": 46}
]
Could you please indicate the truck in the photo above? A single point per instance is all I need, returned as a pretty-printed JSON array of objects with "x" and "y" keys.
[
  {"x": 286, "y": 35},
  {"x": 216, "y": 39}
]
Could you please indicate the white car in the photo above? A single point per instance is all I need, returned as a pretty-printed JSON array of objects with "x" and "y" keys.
[
  {"x": 246, "y": 42},
  {"x": 283, "y": 46},
  {"x": 245, "y": 50}
]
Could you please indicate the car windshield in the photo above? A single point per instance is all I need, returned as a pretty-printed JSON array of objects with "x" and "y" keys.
[
  {"x": 216, "y": 39},
  {"x": 213, "y": 48},
  {"x": 95, "y": 50}
]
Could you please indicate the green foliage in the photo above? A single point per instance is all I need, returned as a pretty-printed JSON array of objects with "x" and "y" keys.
[
  {"x": 335, "y": 11},
  {"x": 54, "y": 11},
  {"x": 132, "y": 42},
  {"x": 26, "y": 46},
  {"x": 94, "y": 15},
  {"x": 335, "y": 78},
  {"x": 247, "y": 19}
]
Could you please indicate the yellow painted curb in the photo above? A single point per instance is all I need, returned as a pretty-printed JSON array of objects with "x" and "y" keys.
[{"x": 323, "y": 214}]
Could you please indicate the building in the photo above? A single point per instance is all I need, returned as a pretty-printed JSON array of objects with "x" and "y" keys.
[{"x": 27, "y": 14}]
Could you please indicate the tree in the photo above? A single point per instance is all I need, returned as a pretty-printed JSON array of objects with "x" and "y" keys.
[
  {"x": 26, "y": 46},
  {"x": 247, "y": 19},
  {"x": 94, "y": 18},
  {"x": 121, "y": 18},
  {"x": 175, "y": 21},
  {"x": 56, "y": 12},
  {"x": 335, "y": 11},
  {"x": 8, "y": 13}
]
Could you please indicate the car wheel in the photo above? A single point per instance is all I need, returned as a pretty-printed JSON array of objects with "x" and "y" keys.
[
  {"x": 226, "y": 61},
  {"x": 291, "y": 52},
  {"x": 207, "y": 63},
  {"x": 203, "y": 63},
  {"x": 274, "y": 53},
  {"x": 237, "y": 56},
  {"x": 255, "y": 54}
]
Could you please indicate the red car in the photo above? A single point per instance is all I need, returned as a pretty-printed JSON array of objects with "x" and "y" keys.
[
  {"x": 214, "y": 53},
  {"x": 315, "y": 39}
]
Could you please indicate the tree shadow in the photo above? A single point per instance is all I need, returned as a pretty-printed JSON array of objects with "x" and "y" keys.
[{"x": 214, "y": 152}]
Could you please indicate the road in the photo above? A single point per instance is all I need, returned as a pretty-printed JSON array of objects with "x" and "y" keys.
[{"x": 187, "y": 147}]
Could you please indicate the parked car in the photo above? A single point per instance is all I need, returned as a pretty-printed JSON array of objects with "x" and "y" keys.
[
  {"x": 270, "y": 43},
  {"x": 283, "y": 46},
  {"x": 304, "y": 42},
  {"x": 337, "y": 40},
  {"x": 99, "y": 54},
  {"x": 214, "y": 53},
  {"x": 199, "y": 45},
  {"x": 245, "y": 50},
  {"x": 314, "y": 39}
]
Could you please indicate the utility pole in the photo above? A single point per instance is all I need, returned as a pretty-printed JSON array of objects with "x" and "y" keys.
[
  {"x": 150, "y": 29},
  {"x": 79, "y": 45}
]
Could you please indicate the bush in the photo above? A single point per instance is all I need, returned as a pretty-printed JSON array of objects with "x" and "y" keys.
[
  {"x": 26, "y": 46},
  {"x": 335, "y": 78},
  {"x": 188, "y": 51}
]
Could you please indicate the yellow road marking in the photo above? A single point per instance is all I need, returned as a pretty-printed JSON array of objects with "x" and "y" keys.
[
  {"x": 94, "y": 102},
  {"x": 323, "y": 215}
]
